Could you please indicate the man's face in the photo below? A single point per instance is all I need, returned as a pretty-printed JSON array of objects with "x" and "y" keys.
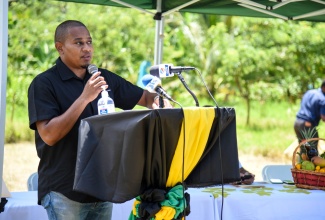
[{"x": 77, "y": 50}]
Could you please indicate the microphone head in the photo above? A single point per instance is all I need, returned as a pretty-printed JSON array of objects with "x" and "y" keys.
[
  {"x": 146, "y": 79},
  {"x": 92, "y": 68},
  {"x": 154, "y": 70},
  {"x": 161, "y": 70},
  {"x": 151, "y": 82}
]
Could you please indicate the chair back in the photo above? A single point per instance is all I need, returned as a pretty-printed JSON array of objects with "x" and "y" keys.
[
  {"x": 32, "y": 182},
  {"x": 282, "y": 172}
]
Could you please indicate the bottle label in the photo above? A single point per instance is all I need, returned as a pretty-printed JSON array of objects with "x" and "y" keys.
[
  {"x": 105, "y": 106},
  {"x": 103, "y": 111}
]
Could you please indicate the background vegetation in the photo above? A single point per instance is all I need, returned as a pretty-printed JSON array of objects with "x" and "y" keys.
[{"x": 261, "y": 67}]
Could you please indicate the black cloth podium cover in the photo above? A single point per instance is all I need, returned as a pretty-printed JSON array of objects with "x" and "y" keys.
[{"x": 122, "y": 154}]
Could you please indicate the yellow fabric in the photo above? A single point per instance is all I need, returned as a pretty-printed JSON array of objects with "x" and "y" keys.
[
  {"x": 165, "y": 213},
  {"x": 198, "y": 122},
  {"x": 134, "y": 209}
]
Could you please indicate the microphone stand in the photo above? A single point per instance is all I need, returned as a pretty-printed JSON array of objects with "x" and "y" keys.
[
  {"x": 161, "y": 102},
  {"x": 179, "y": 74}
]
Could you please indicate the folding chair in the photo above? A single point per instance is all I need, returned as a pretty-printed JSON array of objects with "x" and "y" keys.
[
  {"x": 282, "y": 172},
  {"x": 32, "y": 182}
]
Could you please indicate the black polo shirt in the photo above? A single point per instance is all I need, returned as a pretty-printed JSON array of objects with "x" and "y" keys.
[{"x": 50, "y": 94}]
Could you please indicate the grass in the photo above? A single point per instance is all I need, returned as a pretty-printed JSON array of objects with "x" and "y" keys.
[
  {"x": 267, "y": 136},
  {"x": 270, "y": 130}
]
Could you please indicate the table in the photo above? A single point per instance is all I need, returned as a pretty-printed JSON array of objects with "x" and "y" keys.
[
  {"x": 259, "y": 201},
  {"x": 268, "y": 202},
  {"x": 23, "y": 206}
]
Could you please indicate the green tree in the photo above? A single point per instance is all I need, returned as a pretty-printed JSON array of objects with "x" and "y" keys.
[{"x": 239, "y": 58}]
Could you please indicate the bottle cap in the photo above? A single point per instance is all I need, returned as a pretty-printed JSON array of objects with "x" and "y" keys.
[{"x": 104, "y": 93}]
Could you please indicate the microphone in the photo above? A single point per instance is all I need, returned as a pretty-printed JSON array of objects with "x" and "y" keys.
[
  {"x": 168, "y": 70},
  {"x": 92, "y": 69},
  {"x": 153, "y": 84}
]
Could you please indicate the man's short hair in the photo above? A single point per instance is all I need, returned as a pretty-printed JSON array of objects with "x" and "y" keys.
[{"x": 62, "y": 29}]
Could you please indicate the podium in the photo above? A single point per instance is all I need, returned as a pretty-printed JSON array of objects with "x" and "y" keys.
[{"x": 122, "y": 154}]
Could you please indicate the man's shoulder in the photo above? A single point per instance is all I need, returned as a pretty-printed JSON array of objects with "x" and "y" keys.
[
  {"x": 47, "y": 73},
  {"x": 45, "y": 77}
]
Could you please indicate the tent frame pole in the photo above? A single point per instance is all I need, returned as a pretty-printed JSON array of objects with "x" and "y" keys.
[
  {"x": 159, "y": 35},
  {"x": 3, "y": 79}
]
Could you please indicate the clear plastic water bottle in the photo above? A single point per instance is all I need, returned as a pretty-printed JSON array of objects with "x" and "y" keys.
[{"x": 105, "y": 104}]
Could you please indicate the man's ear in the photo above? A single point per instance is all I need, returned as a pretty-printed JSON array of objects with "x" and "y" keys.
[{"x": 58, "y": 46}]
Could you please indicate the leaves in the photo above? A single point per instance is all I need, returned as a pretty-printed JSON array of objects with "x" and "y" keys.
[{"x": 251, "y": 58}]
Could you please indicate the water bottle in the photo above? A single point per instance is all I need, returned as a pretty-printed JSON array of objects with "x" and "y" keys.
[{"x": 105, "y": 104}]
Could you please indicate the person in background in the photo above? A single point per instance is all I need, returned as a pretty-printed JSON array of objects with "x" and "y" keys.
[
  {"x": 312, "y": 110},
  {"x": 57, "y": 101}
]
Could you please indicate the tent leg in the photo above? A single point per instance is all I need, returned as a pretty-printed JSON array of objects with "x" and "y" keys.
[
  {"x": 159, "y": 41},
  {"x": 159, "y": 36},
  {"x": 3, "y": 78}
]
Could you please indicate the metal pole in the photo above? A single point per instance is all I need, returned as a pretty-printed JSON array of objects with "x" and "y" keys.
[
  {"x": 159, "y": 35},
  {"x": 3, "y": 78}
]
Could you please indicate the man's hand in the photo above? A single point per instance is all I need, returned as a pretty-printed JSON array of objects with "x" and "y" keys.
[
  {"x": 151, "y": 100},
  {"x": 155, "y": 104},
  {"x": 93, "y": 87}
]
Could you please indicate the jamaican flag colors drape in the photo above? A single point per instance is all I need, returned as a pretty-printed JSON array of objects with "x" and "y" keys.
[
  {"x": 197, "y": 124},
  {"x": 170, "y": 203},
  {"x": 137, "y": 153}
]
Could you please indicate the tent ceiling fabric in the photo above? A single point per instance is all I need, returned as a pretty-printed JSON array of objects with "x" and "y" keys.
[{"x": 308, "y": 10}]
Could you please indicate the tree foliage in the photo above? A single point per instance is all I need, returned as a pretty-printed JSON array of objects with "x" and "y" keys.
[{"x": 255, "y": 59}]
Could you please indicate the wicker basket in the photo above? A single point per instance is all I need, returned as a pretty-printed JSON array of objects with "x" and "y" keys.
[{"x": 304, "y": 178}]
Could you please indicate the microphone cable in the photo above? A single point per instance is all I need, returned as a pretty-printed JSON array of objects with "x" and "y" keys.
[
  {"x": 200, "y": 74},
  {"x": 183, "y": 166},
  {"x": 221, "y": 168},
  {"x": 183, "y": 162},
  {"x": 181, "y": 78}
]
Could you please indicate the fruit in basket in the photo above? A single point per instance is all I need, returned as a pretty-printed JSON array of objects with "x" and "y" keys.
[
  {"x": 298, "y": 166},
  {"x": 303, "y": 156},
  {"x": 308, "y": 165},
  {"x": 312, "y": 152},
  {"x": 318, "y": 161},
  {"x": 308, "y": 149}
]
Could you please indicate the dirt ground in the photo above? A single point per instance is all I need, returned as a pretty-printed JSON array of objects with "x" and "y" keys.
[
  {"x": 255, "y": 164},
  {"x": 20, "y": 160}
]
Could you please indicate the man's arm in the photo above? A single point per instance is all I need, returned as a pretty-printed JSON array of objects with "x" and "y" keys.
[{"x": 53, "y": 130}]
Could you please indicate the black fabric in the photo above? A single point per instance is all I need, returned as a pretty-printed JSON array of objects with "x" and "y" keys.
[
  {"x": 121, "y": 155},
  {"x": 150, "y": 200},
  {"x": 50, "y": 94},
  {"x": 2, "y": 204},
  {"x": 219, "y": 163},
  {"x": 187, "y": 210}
]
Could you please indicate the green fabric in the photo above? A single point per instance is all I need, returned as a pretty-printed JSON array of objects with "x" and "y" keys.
[
  {"x": 174, "y": 199},
  {"x": 225, "y": 7}
]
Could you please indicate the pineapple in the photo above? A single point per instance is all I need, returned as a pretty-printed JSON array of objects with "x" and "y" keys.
[{"x": 308, "y": 148}]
